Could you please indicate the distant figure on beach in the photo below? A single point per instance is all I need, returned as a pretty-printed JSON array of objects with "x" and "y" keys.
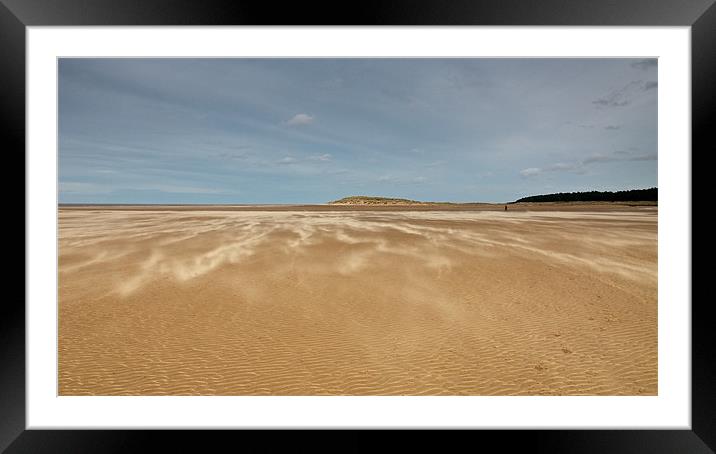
[{"x": 505, "y": 207}]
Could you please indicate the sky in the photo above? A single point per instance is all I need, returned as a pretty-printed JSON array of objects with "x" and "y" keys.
[{"x": 262, "y": 131}]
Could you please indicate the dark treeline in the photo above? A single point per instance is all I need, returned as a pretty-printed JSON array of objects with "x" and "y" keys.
[{"x": 634, "y": 195}]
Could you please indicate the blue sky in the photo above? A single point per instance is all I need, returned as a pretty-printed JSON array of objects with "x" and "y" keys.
[{"x": 315, "y": 130}]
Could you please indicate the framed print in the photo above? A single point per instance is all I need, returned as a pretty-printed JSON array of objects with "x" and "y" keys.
[{"x": 410, "y": 218}]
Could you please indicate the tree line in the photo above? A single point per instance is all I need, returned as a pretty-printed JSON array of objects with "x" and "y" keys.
[{"x": 633, "y": 195}]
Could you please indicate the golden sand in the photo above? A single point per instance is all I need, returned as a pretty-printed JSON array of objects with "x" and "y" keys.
[{"x": 357, "y": 302}]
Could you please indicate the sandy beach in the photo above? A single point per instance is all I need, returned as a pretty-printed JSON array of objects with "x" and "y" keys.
[{"x": 543, "y": 299}]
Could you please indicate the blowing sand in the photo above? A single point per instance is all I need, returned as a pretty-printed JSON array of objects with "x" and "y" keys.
[{"x": 343, "y": 302}]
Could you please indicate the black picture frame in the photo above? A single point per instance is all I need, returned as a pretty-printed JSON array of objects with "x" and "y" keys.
[{"x": 700, "y": 15}]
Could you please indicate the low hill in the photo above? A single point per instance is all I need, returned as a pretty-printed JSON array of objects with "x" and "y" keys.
[
  {"x": 367, "y": 200},
  {"x": 634, "y": 195}
]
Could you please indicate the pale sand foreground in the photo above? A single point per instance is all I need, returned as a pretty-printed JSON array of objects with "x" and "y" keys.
[{"x": 357, "y": 302}]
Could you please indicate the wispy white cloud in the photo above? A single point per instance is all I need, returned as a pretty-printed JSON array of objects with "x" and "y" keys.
[
  {"x": 94, "y": 188},
  {"x": 531, "y": 171},
  {"x": 401, "y": 179},
  {"x": 580, "y": 166},
  {"x": 300, "y": 119},
  {"x": 77, "y": 187},
  {"x": 179, "y": 189},
  {"x": 287, "y": 160},
  {"x": 560, "y": 166},
  {"x": 645, "y": 64},
  {"x": 325, "y": 157},
  {"x": 625, "y": 95}
]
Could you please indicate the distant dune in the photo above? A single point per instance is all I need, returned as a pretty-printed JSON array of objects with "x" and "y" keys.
[{"x": 368, "y": 200}]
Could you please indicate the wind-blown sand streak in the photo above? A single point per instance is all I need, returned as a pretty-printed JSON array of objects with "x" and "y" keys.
[{"x": 362, "y": 302}]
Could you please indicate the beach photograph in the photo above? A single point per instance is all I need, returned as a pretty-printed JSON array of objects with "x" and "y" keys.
[{"x": 357, "y": 227}]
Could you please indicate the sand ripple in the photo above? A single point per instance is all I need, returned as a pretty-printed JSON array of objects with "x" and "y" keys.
[{"x": 357, "y": 303}]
